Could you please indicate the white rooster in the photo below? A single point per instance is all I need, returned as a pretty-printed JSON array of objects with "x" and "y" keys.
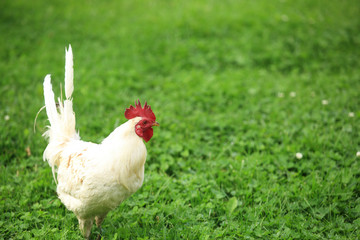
[{"x": 92, "y": 179}]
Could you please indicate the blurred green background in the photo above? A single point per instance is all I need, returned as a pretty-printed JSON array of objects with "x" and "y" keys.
[{"x": 239, "y": 87}]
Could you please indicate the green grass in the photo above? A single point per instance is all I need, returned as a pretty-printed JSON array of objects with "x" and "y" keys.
[{"x": 222, "y": 165}]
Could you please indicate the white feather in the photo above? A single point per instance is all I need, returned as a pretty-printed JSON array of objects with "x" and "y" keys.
[
  {"x": 50, "y": 102},
  {"x": 69, "y": 73},
  {"x": 62, "y": 119}
]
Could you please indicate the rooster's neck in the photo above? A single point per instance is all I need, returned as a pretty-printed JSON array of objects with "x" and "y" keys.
[{"x": 126, "y": 155}]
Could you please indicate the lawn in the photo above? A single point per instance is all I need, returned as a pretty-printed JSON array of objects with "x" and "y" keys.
[{"x": 238, "y": 87}]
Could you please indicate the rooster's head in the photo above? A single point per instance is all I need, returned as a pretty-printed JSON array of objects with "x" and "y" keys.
[{"x": 144, "y": 127}]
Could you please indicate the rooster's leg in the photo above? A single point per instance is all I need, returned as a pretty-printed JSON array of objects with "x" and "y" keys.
[
  {"x": 85, "y": 227},
  {"x": 98, "y": 221}
]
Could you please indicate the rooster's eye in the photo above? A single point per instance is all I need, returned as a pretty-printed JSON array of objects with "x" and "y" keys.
[{"x": 145, "y": 122}]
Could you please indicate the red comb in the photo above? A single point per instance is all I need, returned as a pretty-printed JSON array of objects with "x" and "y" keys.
[{"x": 138, "y": 111}]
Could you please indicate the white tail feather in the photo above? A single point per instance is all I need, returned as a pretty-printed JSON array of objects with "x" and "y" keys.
[
  {"x": 69, "y": 73},
  {"x": 62, "y": 120},
  {"x": 50, "y": 102}
]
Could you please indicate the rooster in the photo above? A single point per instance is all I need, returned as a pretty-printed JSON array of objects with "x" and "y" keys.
[{"x": 93, "y": 179}]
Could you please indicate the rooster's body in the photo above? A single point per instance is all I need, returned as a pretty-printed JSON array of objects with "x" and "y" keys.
[{"x": 94, "y": 178}]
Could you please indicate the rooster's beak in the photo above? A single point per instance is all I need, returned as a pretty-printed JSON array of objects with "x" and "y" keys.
[{"x": 156, "y": 124}]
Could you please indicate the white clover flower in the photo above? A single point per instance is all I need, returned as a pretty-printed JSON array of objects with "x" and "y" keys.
[
  {"x": 325, "y": 102},
  {"x": 298, "y": 155},
  {"x": 7, "y": 117},
  {"x": 358, "y": 154},
  {"x": 351, "y": 114},
  {"x": 292, "y": 94},
  {"x": 280, "y": 94}
]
